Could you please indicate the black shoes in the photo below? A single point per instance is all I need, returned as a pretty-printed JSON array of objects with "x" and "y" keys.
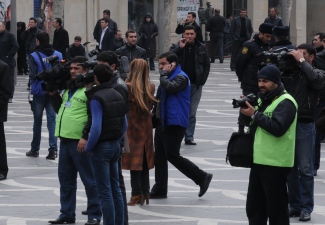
[
  {"x": 190, "y": 142},
  {"x": 61, "y": 221},
  {"x": 3, "y": 177},
  {"x": 294, "y": 213},
  {"x": 32, "y": 154},
  {"x": 304, "y": 216},
  {"x": 315, "y": 173},
  {"x": 154, "y": 195},
  {"x": 205, "y": 184},
  {"x": 84, "y": 212},
  {"x": 92, "y": 222},
  {"x": 221, "y": 61},
  {"x": 10, "y": 100},
  {"x": 52, "y": 155}
]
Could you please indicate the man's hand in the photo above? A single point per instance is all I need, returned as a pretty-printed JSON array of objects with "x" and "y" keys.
[
  {"x": 249, "y": 111},
  {"x": 297, "y": 54},
  {"x": 182, "y": 42},
  {"x": 169, "y": 67},
  {"x": 81, "y": 145},
  {"x": 183, "y": 21}
]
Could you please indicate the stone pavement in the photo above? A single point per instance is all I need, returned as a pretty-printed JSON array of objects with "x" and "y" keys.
[{"x": 30, "y": 195}]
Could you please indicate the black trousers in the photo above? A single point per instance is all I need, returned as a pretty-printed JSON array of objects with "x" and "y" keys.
[
  {"x": 235, "y": 48},
  {"x": 122, "y": 186},
  {"x": 267, "y": 196},
  {"x": 167, "y": 147},
  {"x": 3, "y": 152},
  {"x": 140, "y": 179},
  {"x": 22, "y": 62}
]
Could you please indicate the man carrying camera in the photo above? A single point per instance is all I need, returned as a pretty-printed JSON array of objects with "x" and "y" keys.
[
  {"x": 71, "y": 120},
  {"x": 273, "y": 125},
  {"x": 304, "y": 84},
  {"x": 281, "y": 35},
  {"x": 195, "y": 62},
  {"x": 172, "y": 111},
  {"x": 41, "y": 100},
  {"x": 249, "y": 62}
]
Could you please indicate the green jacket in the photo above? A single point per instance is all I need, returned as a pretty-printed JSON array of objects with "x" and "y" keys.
[
  {"x": 271, "y": 150},
  {"x": 72, "y": 116}
]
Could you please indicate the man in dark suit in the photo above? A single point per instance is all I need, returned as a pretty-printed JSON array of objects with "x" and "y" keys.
[
  {"x": 106, "y": 38},
  {"x": 111, "y": 25},
  {"x": 8, "y": 50},
  {"x": 190, "y": 20},
  {"x": 61, "y": 37},
  {"x": 241, "y": 31},
  {"x": 5, "y": 92}
]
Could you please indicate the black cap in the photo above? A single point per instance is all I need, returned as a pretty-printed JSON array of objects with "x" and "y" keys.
[
  {"x": 266, "y": 28},
  {"x": 271, "y": 73},
  {"x": 281, "y": 31}
]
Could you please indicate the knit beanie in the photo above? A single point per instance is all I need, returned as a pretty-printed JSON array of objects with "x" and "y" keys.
[{"x": 271, "y": 73}]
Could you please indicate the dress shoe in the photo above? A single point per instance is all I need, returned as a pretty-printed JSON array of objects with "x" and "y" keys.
[
  {"x": 205, "y": 184},
  {"x": 52, "y": 155},
  {"x": 153, "y": 195},
  {"x": 212, "y": 61},
  {"x": 92, "y": 222},
  {"x": 62, "y": 221},
  {"x": 3, "y": 177},
  {"x": 84, "y": 212},
  {"x": 304, "y": 216},
  {"x": 190, "y": 142},
  {"x": 137, "y": 199},
  {"x": 32, "y": 154},
  {"x": 146, "y": 198},
  {"x": 294, "y": 213},
  {"x": 315, "y": 173},
  {"x": 152, "y": 69},
  {"x": 10, "y": 100},
  {"x": 28, "y": 89},
  {"x": 221, "y": 61}
]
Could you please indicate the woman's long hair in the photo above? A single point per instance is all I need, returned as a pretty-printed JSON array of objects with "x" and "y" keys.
[{"x": 140, "y": 84}]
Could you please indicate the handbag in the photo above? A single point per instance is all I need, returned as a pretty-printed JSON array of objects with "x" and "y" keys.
[{"x": 240, "y": 150}]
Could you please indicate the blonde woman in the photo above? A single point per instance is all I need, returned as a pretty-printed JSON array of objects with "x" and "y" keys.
[{"x": 139, "y": 132}]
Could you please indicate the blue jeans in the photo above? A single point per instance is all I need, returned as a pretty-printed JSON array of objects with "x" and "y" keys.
[
  {"x": 196, "y": 93},
  {"x": 105, "y": 162},
  {"x": 301, "y": 178},
  {"x": 70, "y": 163},
  {"x": 40, "y": 103}
]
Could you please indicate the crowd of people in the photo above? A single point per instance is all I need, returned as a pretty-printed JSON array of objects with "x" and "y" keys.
[{"x": 114, "y": 114}]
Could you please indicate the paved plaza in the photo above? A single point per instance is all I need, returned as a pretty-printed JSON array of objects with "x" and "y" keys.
[{"x": 30, "y": 195}]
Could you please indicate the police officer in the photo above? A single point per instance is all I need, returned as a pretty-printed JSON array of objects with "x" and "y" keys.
[
  {"x": 249, "y": 62},
  {"x": 281, "y": 35}
]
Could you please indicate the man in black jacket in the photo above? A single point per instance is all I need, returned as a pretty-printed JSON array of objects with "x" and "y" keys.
[
  {"x": 318, "y": 42},
  {"x": 5, "y": 93},
  {"x": 8, "y": 50},
  {"x": 106, "y": 39},
  {"x": 190, "y": 20},
  {"x": 111, "y": 25},
  {"x": 29, "y": 36},
  {"x": 215, "y": 26},
  {"x": 60, "y": 38},
  {"x": 195, "y": 62},
  {"x": 249, "y": 62},
  {"x": 304, "y": 84},
  {"x": 76, "y": 49},
  {"x": 241, "y": 30}
]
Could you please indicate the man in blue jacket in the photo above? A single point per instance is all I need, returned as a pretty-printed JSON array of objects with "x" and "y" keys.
[
  {"x": 41, "y": 100},
  {"x": 173, "y": 113}
]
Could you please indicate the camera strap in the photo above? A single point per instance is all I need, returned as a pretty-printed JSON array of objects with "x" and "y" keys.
[{"x": 40, "y": 58}]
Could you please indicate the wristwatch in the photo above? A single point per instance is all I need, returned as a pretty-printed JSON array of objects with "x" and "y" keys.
[
  {"x": 302, "y": 60},
  {"x": 253, "y": 116}
]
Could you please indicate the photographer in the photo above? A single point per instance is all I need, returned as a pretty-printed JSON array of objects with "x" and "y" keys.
[
  {"x": 304, "y": 84},
  {"x": 274, "y": 129},
  {"x": 249, "y": 62},
  {"x": 71, "y": 119},
  {"x": 41, "y": 100},
  {"x": 281, "y": 35}
]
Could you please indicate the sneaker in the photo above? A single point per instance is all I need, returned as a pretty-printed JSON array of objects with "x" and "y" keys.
[
  {"x": 304, "y": 216},
  {"x": 32, "y": 153},
  {"x": 52, "y": 155}
]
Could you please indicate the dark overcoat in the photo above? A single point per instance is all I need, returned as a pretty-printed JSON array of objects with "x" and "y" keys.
[
  {"x": 139, "y": 135},
  {"x": 148, "y": 33},
  {"x": 5, "y": 90}
]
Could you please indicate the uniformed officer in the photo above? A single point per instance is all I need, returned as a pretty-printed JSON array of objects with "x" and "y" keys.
[{"x": 249, "y": 62}]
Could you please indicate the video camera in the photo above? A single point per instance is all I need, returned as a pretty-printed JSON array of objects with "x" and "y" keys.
[
  {"x": 93, "y": 52},
  {"x": 281, "y": 58},
  {"x": 123, "y": 66},
  {"x": 55, "y": 77},
  {"x": 251, "y": 98},
  {"x": 88, "y": 77}
]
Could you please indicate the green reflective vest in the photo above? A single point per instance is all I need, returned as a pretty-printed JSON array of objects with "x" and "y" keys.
[
  {"x": 72, "y": 119},
  {"x": 275, "y": 151}
]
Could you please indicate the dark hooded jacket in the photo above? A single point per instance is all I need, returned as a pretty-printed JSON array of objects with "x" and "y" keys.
[{"x": 147, "y": 36}]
